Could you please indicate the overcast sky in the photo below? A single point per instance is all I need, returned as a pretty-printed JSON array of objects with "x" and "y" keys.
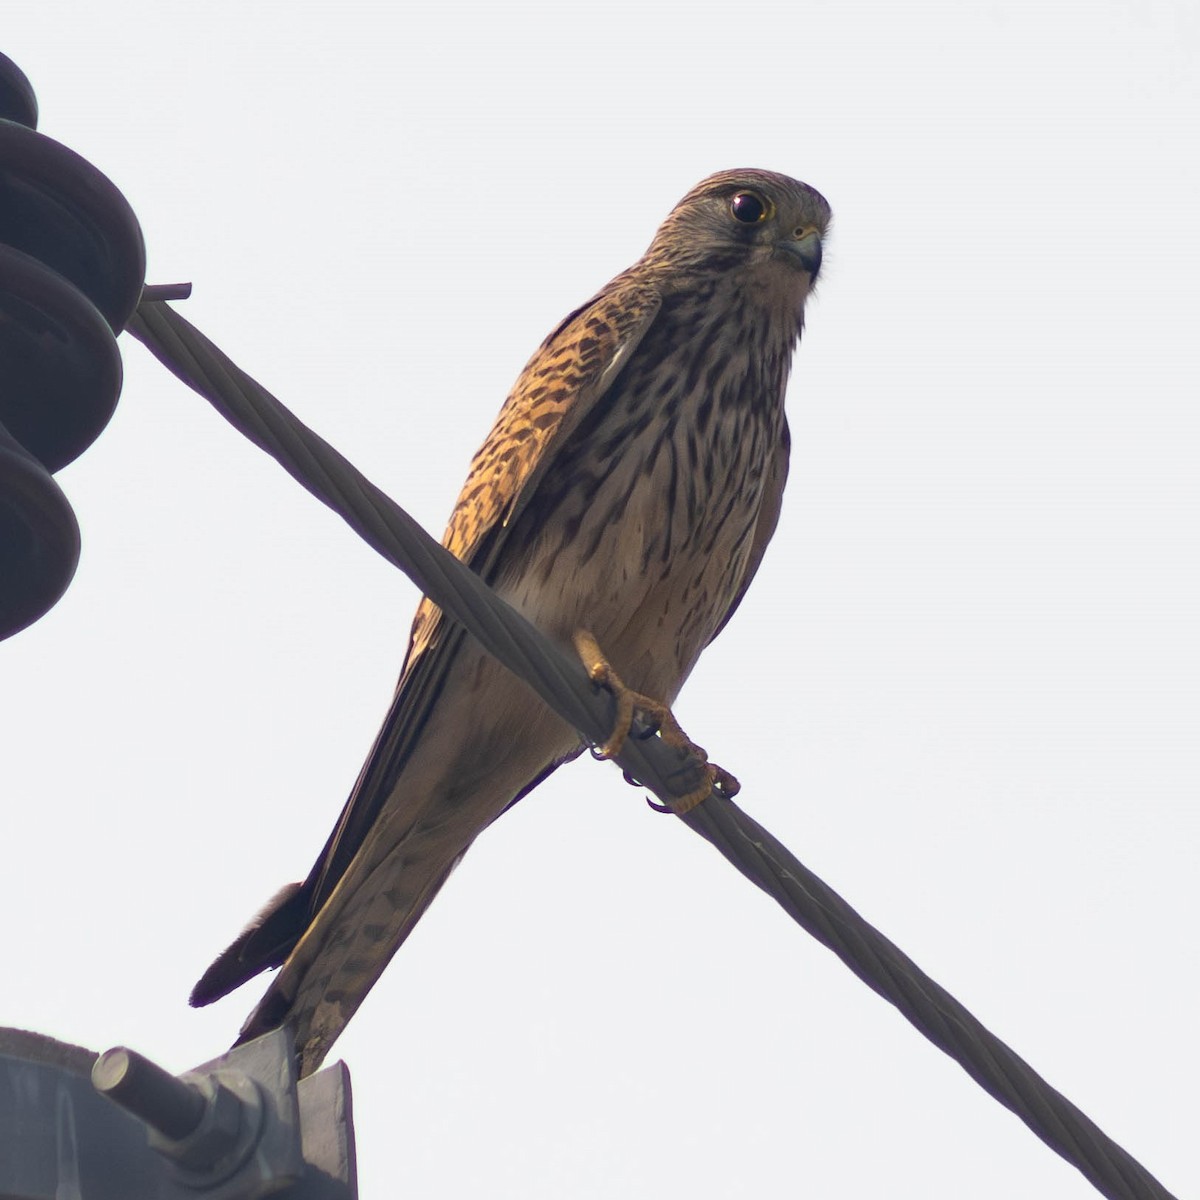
[{"x": 965, "y": 688}]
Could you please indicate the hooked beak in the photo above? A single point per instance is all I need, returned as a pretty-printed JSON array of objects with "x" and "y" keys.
[{"x": 805, "y": 248}]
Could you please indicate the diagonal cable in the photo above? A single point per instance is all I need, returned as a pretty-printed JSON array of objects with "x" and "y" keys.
[{"x": 561, "y": 681}]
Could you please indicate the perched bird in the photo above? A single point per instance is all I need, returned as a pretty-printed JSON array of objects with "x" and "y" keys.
[{"x": 622, "y": 501}]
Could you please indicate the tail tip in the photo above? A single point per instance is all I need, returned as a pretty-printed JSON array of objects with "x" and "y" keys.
[{"x": 264, "y": 943}]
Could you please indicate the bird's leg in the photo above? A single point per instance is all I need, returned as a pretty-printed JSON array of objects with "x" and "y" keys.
[{"x": 631, "y": 703}]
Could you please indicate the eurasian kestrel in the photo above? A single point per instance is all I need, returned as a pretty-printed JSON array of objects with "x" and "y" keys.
[{"x": 628, "y": 488}]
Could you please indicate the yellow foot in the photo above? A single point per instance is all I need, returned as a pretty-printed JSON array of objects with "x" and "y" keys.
[
  {"x": 629, "y": 703},
  {"x": 715, "y": 776}
]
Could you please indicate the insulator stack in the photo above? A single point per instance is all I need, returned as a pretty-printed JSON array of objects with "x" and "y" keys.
[{"x": 72, "y": 266}]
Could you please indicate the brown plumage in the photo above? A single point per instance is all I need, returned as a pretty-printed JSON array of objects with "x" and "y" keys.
[{"x": 629, "y": 487}]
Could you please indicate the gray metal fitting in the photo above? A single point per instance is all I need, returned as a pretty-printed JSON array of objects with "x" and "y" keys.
[{"x": 226, "y": 1135}]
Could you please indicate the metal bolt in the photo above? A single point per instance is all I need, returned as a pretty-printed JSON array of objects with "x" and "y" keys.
[
  {"x": 154, "y": 1096},
  {"x": 206, "y": 1124}
]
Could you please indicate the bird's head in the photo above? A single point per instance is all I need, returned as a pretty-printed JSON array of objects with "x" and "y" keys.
[{"x": 768, "y": 224}]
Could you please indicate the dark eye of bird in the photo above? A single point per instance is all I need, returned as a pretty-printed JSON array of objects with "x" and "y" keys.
[{"x": 748, "y": 207}]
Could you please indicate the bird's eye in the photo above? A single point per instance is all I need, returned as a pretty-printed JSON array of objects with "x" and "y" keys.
[{"x": 749, "y": 208}]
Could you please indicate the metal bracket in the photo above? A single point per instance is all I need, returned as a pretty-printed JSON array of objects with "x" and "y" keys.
[{"x": 118, "y": 1127}]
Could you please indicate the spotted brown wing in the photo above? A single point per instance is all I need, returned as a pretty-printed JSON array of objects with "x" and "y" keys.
[{"x": 566, "y": 377}]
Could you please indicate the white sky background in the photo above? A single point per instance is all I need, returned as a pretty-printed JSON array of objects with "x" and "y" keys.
[{"x": 964, "y": 688}]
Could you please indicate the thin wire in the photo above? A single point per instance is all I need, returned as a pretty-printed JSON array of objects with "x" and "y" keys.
[{"x": 669, "y": 773}]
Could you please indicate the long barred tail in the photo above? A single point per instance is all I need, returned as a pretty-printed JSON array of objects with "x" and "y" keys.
[{"x": 342, "y": 954}]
